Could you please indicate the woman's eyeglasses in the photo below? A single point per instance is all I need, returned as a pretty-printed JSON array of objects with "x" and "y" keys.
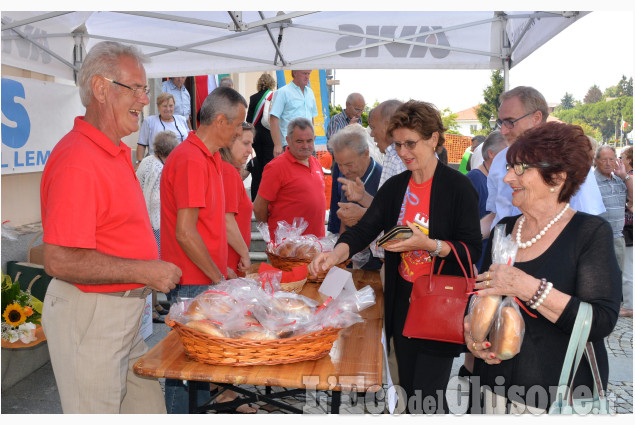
[
  {"x": 410, "y": 145},
  {"x": 520, "y": 167}
]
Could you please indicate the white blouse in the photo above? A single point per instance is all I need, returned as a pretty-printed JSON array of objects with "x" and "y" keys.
[
  {"x": 153, "y": 125},
  {"x": 149, "y": 175}
]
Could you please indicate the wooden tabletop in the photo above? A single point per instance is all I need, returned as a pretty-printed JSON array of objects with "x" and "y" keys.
[{"x": 353, "y": 364}]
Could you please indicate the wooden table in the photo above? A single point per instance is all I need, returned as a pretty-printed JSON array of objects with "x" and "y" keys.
[{"x": 353, "y": 364}]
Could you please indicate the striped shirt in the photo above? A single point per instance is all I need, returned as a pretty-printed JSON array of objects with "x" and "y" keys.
[
  {"x": 393, "y": 165},
  {"x": 613, "y": 192},
  {"x": 338, "y": 122}
]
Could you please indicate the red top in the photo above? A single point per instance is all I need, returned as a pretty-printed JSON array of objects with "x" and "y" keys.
[
  {"x": 91, "y": 198},
  {"x": 415, "y": 209},
  {"x": 192, "y": 178},
  {"x": 294, "y": 190},
  {"x": 236, "y": 201}
]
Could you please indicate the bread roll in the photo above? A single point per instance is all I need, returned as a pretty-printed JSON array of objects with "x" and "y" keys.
[
  {"x": 206, "y": 327},
  {"x": 209, "y": 306},
  {"x": 286, "y": 249},
  {"x": 295, "y": 306},
  {"x": 307, "y": 251},
  {"x": 509, "y": 334},
  {"x": 482, "y": 316}
]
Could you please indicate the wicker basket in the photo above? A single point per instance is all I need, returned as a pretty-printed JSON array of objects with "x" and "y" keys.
[
  {"x": 247, "y": 352},
  {"x": 295, "y": 287},
  {"x": 287, "y": 263}
]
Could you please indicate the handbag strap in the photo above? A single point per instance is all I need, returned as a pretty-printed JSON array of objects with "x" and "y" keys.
[
  {"x": 458, "y": 259},
  {"x": 575, "y": 350}
]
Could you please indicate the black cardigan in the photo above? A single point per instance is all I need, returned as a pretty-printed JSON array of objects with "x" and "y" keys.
[{"x": 453, "y": 217}]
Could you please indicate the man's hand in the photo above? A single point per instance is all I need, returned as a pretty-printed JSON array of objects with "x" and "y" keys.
[
  {"x": 244, "y": 263},
  {"x": 162, "y": 276},
  {"x": 620, "y": 169},
  {"x": 231, "y": 274},
  {"x": 354, "y": 190},
  {"x": 277, "y": 150},
  {"x": 350, "y": 213}
]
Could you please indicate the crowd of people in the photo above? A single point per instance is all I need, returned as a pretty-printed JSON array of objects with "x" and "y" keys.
[{"x": 190, "y": 215}]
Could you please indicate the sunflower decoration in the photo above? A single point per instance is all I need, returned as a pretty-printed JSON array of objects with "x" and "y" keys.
[
  {"x": 21, "y": 312},
  {"x": 14, "y": 315}
]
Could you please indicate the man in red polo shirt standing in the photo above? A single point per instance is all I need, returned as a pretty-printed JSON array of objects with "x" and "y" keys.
[
  {"x": 292, "y": 184},
  {"x": 99, "y": 245},
  {"x": 193, "y": 232}
]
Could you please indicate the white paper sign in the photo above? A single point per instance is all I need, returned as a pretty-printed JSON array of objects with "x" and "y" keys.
[{"x": 337, "y": 280}]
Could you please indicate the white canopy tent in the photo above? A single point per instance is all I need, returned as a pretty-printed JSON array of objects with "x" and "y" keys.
[{"x": 200, "y": 43}]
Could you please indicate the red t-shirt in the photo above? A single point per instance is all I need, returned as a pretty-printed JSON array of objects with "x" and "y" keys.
[
  {"x": 192, "y": 178},
  {"x": 91, "y": 198},
  {"x": 415, "y": 209},
  {"x": 236, "y": 201},
  {"x": 294, "y": 190}
]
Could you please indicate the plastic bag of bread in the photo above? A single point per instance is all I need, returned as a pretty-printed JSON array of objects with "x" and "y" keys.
[
  {"x": 246, "y": 292},
  {"x": 286, "y": 231},
  {"x": 307, "y": 247},
  {"x": 210, "y": 305},
  {"x": 504, "y": 248},
  {"x": 481, "y": 314},
  {"x": 508, "y": 331},
  {"x": 286, "y": 313},
  {"x": 343, "y": 310}
]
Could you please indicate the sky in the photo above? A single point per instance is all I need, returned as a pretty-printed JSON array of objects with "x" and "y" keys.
[{"x": 597, "y": 49}]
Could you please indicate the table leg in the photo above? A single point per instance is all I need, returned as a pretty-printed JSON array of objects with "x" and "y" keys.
[
  {"x": 336, "y": 400},
  {"x": 192, "y": 389}
]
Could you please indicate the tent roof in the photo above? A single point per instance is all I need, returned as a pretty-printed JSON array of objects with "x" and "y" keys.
[{"x": 199, "y": 43}]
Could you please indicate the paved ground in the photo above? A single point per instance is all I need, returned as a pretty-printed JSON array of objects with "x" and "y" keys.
[{"x": 38, "y": 392}]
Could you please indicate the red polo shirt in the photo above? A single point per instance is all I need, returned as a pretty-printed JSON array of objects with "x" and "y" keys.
[
  {"x": 237, "y": 201},
  {"x": 91, "y": 198},
  {"x": 294, "y": 190},
  {"x": 192, "y": 178}
]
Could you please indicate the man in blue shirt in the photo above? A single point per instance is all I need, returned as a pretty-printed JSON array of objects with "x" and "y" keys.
[
  {"x": 294, "y": 100},
  {"x": 182, "y": 103}
]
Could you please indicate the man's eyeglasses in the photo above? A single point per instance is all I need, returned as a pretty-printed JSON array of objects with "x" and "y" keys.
[
  {"x": 138, "y": 92},
  {"x": 410, "y": 145},
  {"x": 510, "y": 123},
  {"x": 520, "y": 167}
]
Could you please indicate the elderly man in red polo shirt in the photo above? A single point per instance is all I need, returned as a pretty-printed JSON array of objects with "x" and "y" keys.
[
  {"x": 293, "y": 183},
  {"x": 193, "y": 232},
  {"x": 99, "y": 245}
]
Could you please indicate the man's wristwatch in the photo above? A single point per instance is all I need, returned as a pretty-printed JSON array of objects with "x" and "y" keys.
[
  {"x": 627, "y": 178},
  {"x": 438, "y": 250}
]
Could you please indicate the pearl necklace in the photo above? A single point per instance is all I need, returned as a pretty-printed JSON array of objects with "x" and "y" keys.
[{"x": 542, "y": 232}]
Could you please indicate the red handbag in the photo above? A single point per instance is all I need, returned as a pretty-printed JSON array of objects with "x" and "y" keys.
[{"x": 438, "y": 302}]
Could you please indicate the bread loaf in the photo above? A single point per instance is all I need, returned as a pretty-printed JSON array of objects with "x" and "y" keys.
[
  {"x": 286, "y": 249},
  {"x": 210, "y": 306},
  {"x": 307, "y": 251},
  {"x": 206, "y": 327},
  {"x": 482, "y": 316},
  {"x": 509, "y": 334}
]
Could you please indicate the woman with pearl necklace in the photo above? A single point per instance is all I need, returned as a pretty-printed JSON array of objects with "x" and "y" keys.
[{"x": 564, "y": 257}]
